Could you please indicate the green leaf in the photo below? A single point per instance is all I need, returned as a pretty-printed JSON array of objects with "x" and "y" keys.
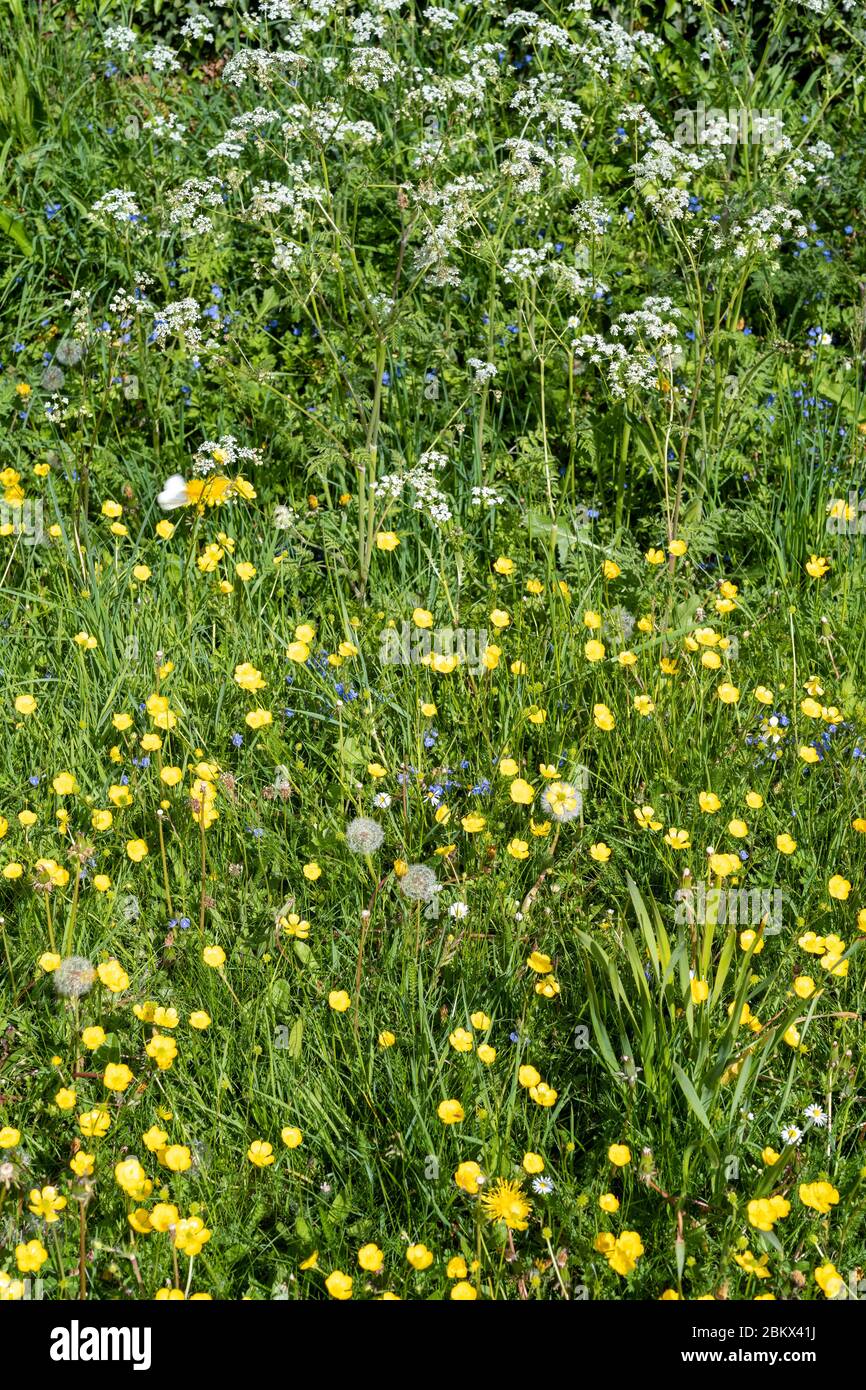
[
  {"x": 691, "y": 1095},
  {"x": 296, "y": 1038},
  {"x": 14, "y": 228},
  {"x": 280, "y": 995},
  {"x": 302, "y": 951}
]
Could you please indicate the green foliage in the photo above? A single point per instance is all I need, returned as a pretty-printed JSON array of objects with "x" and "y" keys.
[{"x": 470, "y": 341}]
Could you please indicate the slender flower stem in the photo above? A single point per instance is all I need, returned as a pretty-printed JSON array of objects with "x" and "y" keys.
[
  {"x": 82, "y": 1251},
  {"x": 51, "y": 940},
  {"x": 69, "y": 934},
  {"x": 7, "y": 954},
  {"x": 203, "y": 878},
  {"x": 162, "y": 856}
]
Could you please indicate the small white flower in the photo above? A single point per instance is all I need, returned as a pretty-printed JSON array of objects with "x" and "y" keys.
[{"x": 815, "y": 1115}]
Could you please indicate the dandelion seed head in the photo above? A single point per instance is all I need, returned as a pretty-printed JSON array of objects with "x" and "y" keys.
[
  {"x": 364, "y": 836},
  {"x": 74, "y": 977},
  {"x": 70, "y": 352},
  {"x": 419, "y": 883}
]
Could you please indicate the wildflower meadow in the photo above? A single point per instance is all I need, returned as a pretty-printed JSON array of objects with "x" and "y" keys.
[{"x": 433, "y": 652}]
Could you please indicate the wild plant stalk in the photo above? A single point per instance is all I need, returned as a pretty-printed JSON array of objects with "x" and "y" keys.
[
  {"x": 8, "y": 955},
  {"x": 203, "y": 894},
  {"x": 164, "y": 862},
  {"x": 82, "y": 1249},
  {"x": 366, "y": 467},
  {"x": 50, "y": 924},
  {"x": 69, "y": 933}
]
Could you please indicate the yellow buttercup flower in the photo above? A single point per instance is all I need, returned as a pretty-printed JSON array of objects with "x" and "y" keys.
[
  {"x": 248, "y": 678},
  {"x": 117, "y": 1076},
  {"x": 30, "y": 1256},
  {"x": 699, "y": 989},
  {"x": 828, "y": 1279},
  {"x": 626, "y": 1251},
  {"x": 419, "y": 1257},
  {"x": 450, "y": 1112},
  {"x": 112, "y": 974},
  {"x": 521, "y": 792},
  {"x": 539, "y": 962},
  {"x": 839, "y": 887},
  {"x": 817, "y": 566},
  {"x": 677, "y": 839},
  {"x": 602, "y": 717},
  {"x": 764, "y": 1212},
  {"x": 339, "y": 1285},
  {"x": 469, "y": 1177},
  {"x": 819, "y": 1195},
  {"x": 370, "y": 1257}
]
